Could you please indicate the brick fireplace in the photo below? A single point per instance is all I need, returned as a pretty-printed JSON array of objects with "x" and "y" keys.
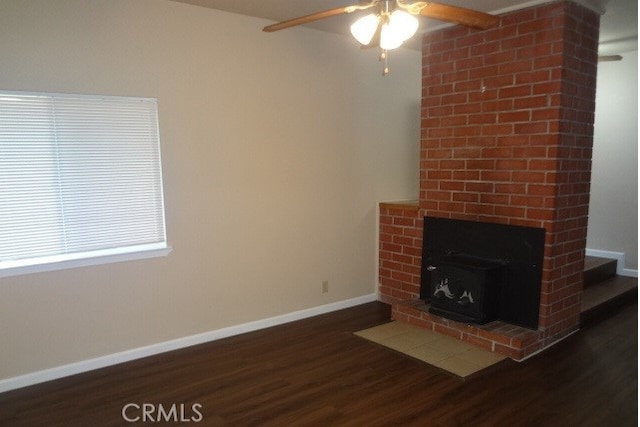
[{"x": 506, "y": 137}]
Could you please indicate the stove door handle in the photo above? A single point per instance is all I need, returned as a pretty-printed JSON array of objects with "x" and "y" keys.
[{"x": 431, "y": 267}]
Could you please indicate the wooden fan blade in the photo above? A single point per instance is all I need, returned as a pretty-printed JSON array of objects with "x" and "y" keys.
[
  {"x": 460, "y": 15},
  {"x": 312, "y": 17}
]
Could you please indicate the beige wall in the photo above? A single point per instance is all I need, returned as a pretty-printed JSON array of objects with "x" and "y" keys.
[
  {"x": 275, "y": 149},
  {"x": 613, "y": 208}
]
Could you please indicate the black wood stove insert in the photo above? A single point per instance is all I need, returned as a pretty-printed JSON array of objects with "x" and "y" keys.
[
  {"x": 476, "y": 272},
  {"x": 464, "y": 288}
]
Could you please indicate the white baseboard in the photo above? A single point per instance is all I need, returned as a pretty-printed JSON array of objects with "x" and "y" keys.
[
  {"x": 619, "y": 256},
  {"x": 150, "y": 350}
]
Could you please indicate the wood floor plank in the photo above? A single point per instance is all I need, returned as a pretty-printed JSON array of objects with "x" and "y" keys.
[{"x": 315, "y": 372}]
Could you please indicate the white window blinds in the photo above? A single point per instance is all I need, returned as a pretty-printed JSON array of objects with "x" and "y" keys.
[{"x": 80, "y": 177}]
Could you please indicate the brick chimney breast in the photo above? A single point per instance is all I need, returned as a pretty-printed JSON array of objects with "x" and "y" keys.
[{"x": 506, "y": 137}]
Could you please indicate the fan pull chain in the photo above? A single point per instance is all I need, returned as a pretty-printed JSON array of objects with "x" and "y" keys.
[{"x": 385, "y": 63}]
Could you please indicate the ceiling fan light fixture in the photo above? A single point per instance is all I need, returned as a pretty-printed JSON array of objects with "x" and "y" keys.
[
  {"x": 364, "y": 28},
  {"x": 394, "y": 22},
  {"x": 396, "y": 28}
]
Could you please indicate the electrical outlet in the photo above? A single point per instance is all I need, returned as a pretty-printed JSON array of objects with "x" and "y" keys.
[{"x": 325, "y": 286}]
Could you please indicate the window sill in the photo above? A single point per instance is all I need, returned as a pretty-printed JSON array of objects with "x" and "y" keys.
[{"x": 85, "y": 262}]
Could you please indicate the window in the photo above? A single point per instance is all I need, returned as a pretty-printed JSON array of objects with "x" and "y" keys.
[{"x": 80, "y": 181}]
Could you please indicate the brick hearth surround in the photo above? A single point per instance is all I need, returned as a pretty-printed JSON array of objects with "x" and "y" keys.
[{"x": 506, "y": 137}]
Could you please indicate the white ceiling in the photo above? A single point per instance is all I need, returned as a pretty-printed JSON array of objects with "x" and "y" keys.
[{"x": 618, "y": 25}]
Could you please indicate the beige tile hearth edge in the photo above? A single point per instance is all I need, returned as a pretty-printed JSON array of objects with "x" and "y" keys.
[{"x": 449, "y": 354}]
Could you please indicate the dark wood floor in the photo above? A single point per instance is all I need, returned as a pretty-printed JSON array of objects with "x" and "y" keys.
[{"x": 315, "y": 372}]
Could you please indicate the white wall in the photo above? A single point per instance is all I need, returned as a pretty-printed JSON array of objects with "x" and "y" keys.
[
  {"x": 276, "y": 148},
  {"x": 613, "y": 208}
]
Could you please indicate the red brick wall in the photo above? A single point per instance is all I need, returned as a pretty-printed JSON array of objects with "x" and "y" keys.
[
  {"x": 507, "y": 129},
  {"x": 400, "y": 251}
]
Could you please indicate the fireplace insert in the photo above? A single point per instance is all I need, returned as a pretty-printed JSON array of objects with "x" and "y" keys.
[
  {"x": 465, "y": 288},
  {"x": 477, "y": 272}
]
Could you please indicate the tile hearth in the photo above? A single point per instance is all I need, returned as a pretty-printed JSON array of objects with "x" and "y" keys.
[{"x": 449, "y": 354}]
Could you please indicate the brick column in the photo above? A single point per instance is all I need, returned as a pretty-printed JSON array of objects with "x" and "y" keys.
[{"x": 507, "y": 133}]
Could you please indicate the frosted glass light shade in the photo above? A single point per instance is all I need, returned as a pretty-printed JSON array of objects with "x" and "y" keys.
[
  {"x": 389, "y": 38},
  {"x": 364, "y": 28},
  {"x": 403, "y": 25}
]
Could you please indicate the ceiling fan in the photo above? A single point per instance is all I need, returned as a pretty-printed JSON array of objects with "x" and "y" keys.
[{"x": 393, "y": 21}]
